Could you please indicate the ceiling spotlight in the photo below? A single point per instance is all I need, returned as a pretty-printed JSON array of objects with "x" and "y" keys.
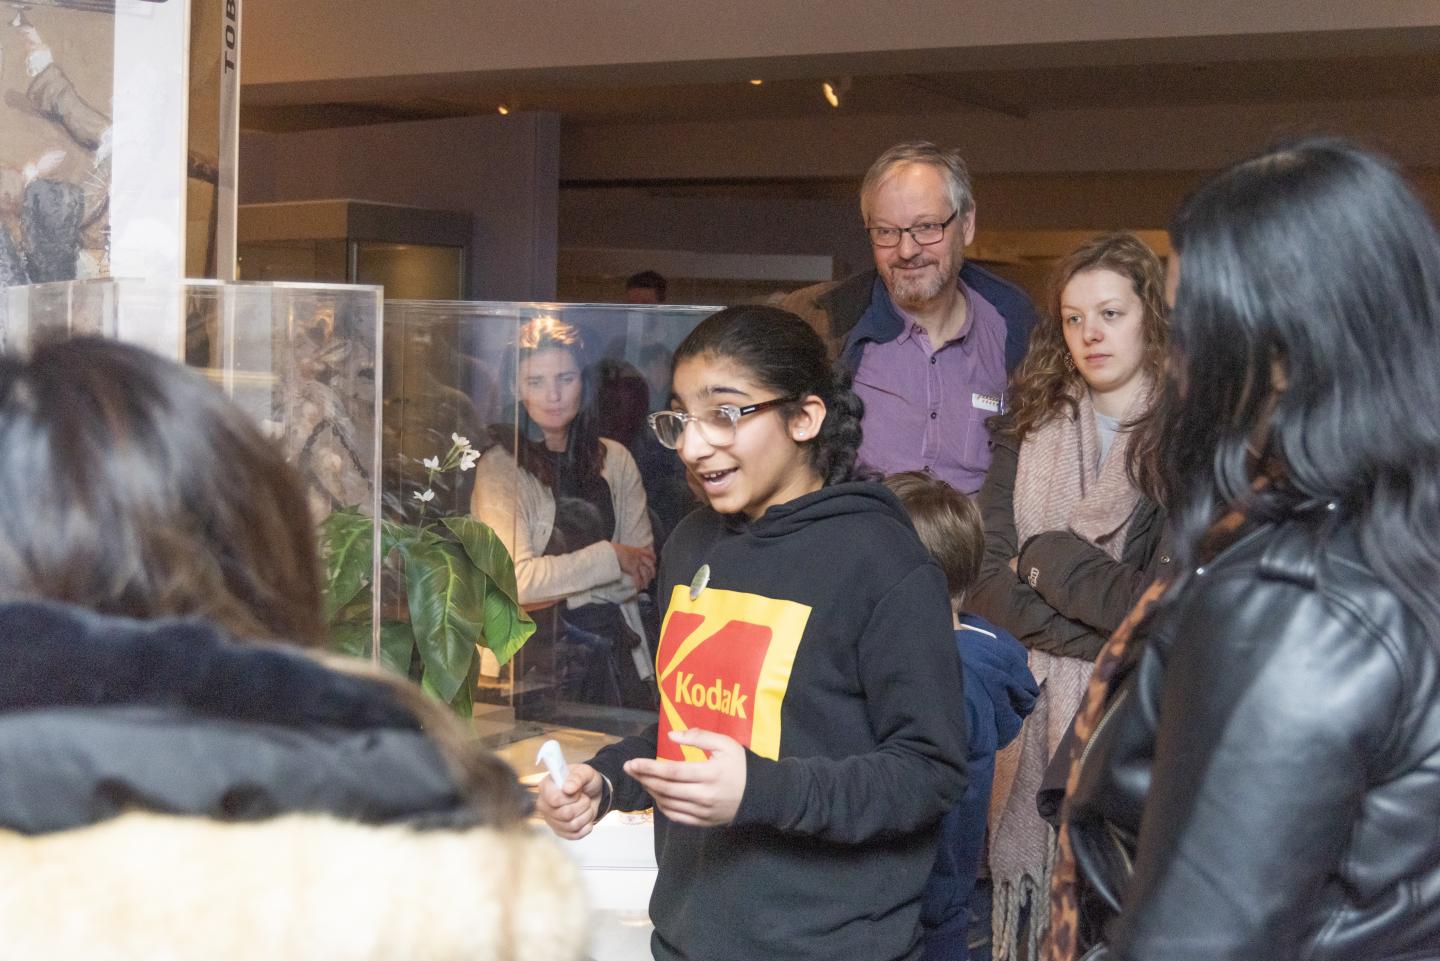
[
  {"x": 832, "y": 96},
  {"x": 756, "y": 83},
  {"x": 503, "y": 110}
]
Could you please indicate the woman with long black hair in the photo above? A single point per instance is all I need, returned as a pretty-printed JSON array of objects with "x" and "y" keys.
[{"x": 1270, "y": 755}]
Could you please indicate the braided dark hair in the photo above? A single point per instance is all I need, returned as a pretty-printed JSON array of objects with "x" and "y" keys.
[{"x": 780, "y": 351}]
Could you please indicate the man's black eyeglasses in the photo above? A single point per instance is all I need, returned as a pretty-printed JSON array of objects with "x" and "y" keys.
[{"x": 922, "y": 234}]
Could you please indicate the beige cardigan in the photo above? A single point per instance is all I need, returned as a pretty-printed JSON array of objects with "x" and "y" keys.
[{"x": 521, "y": 510}]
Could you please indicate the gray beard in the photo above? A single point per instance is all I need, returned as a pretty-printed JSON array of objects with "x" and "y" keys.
[{"x": 912, "y": 291}]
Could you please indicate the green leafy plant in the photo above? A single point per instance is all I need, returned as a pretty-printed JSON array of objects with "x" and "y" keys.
[{"x": 459, "y": 583}]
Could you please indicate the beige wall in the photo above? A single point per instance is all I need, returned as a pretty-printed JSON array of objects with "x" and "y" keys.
[
  {"x": 1024, "y": 220},
  {"x": 1180, "y": 137},
  {"x": 1092, "y": 168},
  {"x": 299, "y": 43},
  {"x": 503, "y": 171}
]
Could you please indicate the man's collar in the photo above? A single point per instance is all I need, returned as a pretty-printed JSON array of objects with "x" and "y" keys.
[
  {"x": 904, "y": 324},
  {"x": 880, "y": 322}
]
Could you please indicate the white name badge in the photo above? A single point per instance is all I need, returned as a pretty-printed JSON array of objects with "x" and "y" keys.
[{"x": 988, "y": 402}]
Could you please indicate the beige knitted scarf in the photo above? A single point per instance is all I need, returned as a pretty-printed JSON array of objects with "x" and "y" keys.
[{"x": 1060, "y": 484}]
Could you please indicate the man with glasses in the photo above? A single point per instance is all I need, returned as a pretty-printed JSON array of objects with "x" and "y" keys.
[{"x": 929, "y": 337}]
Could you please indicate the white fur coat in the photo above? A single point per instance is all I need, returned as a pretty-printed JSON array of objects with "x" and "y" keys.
[{"x": 146, "y": 887}]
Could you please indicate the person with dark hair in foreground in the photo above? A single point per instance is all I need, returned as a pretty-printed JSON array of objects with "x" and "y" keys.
[
  {"x": 1263, "y": 783},
  {"x": 810, "y": 737},
  {"x": 182, "y": 777}
]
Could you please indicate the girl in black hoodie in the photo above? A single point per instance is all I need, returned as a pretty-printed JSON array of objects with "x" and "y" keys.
[{"x": 812, "y": 725}]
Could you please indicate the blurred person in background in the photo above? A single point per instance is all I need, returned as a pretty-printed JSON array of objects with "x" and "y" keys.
[
  {"x": 570, "y": 507},
  {"x": 646, "y": 287},
  {"x": 999, "y": 693}
]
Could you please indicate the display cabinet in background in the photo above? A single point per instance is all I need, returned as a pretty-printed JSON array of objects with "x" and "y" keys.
[
  {"x": 412, "y": 444},
  {"x": 370, "y": 419},
  {"x": 473, "y": 371},
  {"x": 412, "y": 252}
]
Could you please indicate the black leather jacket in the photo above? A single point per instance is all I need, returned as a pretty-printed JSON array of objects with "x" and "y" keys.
[{"x": 1273, "y": 760}]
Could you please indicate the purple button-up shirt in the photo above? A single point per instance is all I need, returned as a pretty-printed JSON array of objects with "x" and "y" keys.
[{"x": 925, "y": 408}]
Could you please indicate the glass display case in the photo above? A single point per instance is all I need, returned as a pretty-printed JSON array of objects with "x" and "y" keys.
[
  {"x": 442, "y": 428},
  {"x": 467, "y": 423},
  {"x": 538, "y": 392},
  {"x": 515, "y": 382},
  {"x": 303, "y": 359}
]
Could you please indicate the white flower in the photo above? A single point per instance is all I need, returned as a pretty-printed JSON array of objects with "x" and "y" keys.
[
  {"x": 425, "y": 496},
  {"x": 460, "y": 441},
  {"x": 432, "y": 462},
  {"x": 468, "y": 459}
]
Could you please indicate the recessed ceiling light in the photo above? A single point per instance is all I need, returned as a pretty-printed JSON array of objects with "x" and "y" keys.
[
  {"x": 831, "y": 97},
  {"x": 756, "y": 83},
  {"x": 503, "y": 110}
]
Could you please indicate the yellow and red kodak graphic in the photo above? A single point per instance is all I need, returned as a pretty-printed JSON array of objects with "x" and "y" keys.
[{"x": 724, "y": 664}]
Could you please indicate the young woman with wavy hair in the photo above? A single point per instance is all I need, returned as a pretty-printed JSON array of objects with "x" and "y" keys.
[{"x": 1071, "y": 537}]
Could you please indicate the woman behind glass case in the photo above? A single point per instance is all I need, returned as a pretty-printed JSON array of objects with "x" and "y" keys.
[{"x": 570, "y": 507}]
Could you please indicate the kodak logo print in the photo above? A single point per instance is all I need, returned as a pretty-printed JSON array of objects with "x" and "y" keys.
[
  {"x": 695, "y": 694},
  {"x": 724, "y": 663}
]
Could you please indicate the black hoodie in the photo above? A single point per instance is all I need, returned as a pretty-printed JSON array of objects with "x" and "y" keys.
[{"x": 823, "y": 642}]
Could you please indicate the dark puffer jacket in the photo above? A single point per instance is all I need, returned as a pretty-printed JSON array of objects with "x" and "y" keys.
[{"x": 1273, "y": 760}]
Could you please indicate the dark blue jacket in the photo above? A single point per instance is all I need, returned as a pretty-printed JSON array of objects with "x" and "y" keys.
[
  {"x": 858, "y": 310},
  {"x": 999, "y": 693}
]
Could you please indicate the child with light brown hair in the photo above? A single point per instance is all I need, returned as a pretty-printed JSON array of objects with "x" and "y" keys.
[{"x": 999, "y": 693}]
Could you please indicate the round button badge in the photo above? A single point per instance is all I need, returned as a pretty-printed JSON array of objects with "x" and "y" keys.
[{"x": 698, "y": 582}]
